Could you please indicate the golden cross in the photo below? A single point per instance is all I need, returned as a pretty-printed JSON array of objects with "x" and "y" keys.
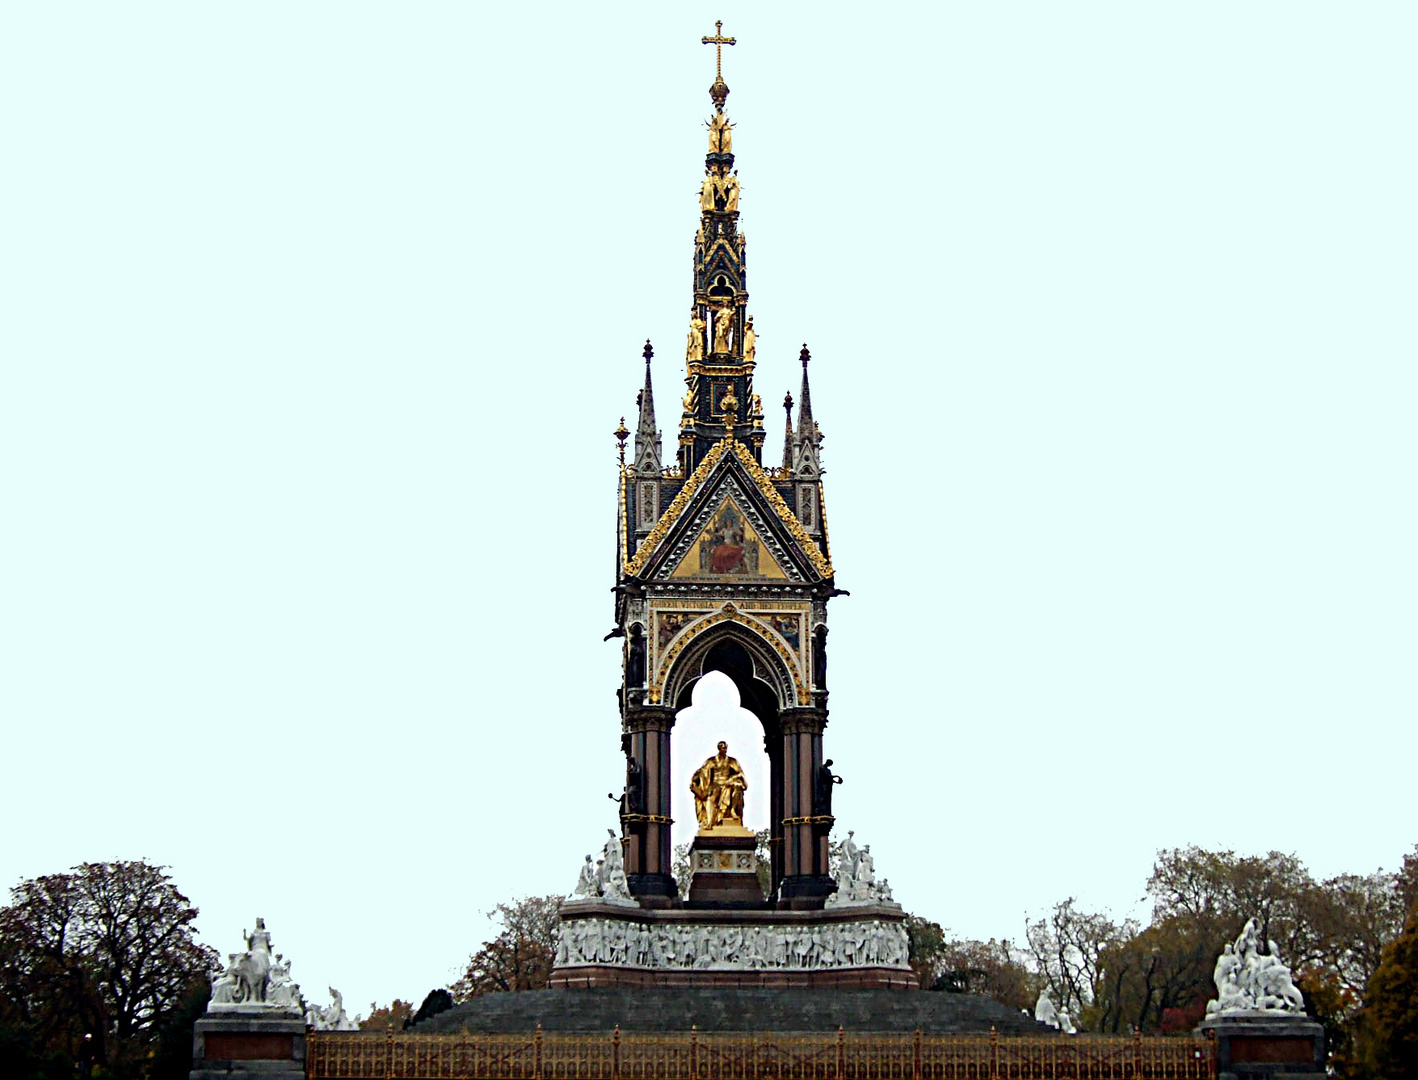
[{"x": 718, "y": 41}]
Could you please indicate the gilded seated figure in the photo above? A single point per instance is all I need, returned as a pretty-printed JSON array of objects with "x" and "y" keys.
[{"x": 718, "y": 786}]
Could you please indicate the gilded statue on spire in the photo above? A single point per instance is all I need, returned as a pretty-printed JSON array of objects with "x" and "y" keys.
[
  {"x": 731, "y": 191},
  {"x": 723, "y": 328},
  {"x": 694, "y": 351},
  {"x": 721, "y": 134}
]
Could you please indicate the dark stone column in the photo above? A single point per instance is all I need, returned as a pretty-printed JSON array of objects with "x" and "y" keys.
[
  {"x": 805, "y": 879},
  {"x": 648, "y": 857}
]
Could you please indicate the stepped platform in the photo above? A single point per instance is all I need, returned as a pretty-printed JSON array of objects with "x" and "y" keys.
[{"x": 732, "y": 1009}]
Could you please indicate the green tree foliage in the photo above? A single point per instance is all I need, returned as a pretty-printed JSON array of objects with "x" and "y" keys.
[
  {"x": 520, "y": 956},
  {"x": 93, "y": 962},
  {"x": 994, "y": 969},
  {"x": 382, "y": 1017},
  {"x": 1069, "y": 947},
  {"x": 1392, "y": 1013},
  {"x": 1116, "y": 977}
]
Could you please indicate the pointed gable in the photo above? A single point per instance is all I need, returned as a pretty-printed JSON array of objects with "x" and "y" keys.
[{"x": 729, "y": 498}]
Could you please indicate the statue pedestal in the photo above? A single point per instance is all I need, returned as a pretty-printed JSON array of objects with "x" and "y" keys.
[
  {"x": 723, "y": 871},
  {"x": 249, "y": 1044},
  {"x": 1265, "y": 1044}
]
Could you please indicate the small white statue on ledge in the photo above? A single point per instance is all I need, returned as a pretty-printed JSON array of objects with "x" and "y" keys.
[
  {"x": 606, "y": 880},
  {"x": 331, "y": 1018}
]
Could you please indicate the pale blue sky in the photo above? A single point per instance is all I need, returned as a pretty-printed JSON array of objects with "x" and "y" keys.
[{"x": 318, "y": 317}]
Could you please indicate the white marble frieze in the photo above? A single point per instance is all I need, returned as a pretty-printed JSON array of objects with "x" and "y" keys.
[{"x": 704, "y": 947}]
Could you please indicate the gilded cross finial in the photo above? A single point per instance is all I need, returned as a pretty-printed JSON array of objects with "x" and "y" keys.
[
  {"x": 719, "y": 92},
  {"x": 718, "y": 41}
]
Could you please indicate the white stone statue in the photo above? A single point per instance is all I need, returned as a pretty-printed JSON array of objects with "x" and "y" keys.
[
  {"x": 1248, "y": 980},
  {"x": 331, "y": 1018},
  {"x": 854, "y": 870},
  {"x": 606, "y": 880},
  {"x": 586, "y": 883},
  {"x": 256, "y": 981}
]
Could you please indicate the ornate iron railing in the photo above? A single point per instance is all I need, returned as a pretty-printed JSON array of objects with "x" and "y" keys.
[{"x": 695, "y": 1055}]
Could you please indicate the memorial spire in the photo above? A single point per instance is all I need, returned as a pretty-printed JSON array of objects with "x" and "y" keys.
[{"x": 719, "y": 359}]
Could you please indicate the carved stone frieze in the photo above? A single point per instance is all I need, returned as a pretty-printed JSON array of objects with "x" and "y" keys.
[{"x": 612, "y": 942}]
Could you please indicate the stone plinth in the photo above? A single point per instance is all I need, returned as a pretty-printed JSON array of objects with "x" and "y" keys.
[
  {"x": 608, "y": 945},
  {"x": 1267, "y": 1044},
  {"x": 248, "y": 1045},
  {"x": 723, "y": 869}
]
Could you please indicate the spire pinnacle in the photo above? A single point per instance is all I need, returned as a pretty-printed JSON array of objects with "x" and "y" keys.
[
  {"x": 788, "y": 431},
  {"x": 806, "y": 463},
  {"x": 647, "y": 439}
]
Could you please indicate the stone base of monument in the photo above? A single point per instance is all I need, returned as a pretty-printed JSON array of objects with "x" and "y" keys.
[
  {"x": 1263, "y": 1044},
  {"x": 252, "y": 1046},
  {"x": 859, "y": 946},
  {"x": 724, "y": 870}
]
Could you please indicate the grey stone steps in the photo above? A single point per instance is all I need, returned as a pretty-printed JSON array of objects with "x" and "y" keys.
[{"x": 731, "y": 1009}]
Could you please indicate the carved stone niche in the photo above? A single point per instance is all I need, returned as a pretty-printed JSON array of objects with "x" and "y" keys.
[{"x": 1264, "y": 1044}]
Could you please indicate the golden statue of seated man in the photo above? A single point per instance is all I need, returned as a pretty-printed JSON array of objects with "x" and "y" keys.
[{"x": 718, "y": 786}]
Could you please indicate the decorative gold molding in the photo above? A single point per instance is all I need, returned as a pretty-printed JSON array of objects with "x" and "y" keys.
[
  {"x": 790, "y": 519},
  {"x": 671, "y": 514},
  {"x": 728, "y": 613}
]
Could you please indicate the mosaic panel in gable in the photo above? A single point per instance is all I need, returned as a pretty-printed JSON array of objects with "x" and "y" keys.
[{"x": 727, "y": 546}]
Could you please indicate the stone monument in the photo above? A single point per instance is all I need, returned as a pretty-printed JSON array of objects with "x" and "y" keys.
[
  {"x": 722, "y": 564},
  {"x": 1258, "y": 1015},
  {"x": 255, "y": 1023}
]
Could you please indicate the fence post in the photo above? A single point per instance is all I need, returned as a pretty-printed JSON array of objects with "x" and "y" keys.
[
  {"x": 1136, "y": 1052},
  {"x": 537, "y": 1054},
  {"x": 916, "y": 1063},
  {"x": 615, "y": 1054},
  {"x": 1211, "y": 1053},
  {"x": 694, "y": 1052},
  {"x": 841, "y": 1052},
  {"x": 994, "y": 1053},
  {"x": 389, "y": 1053}
]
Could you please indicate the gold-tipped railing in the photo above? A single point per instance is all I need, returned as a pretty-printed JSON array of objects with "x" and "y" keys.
[{"x": 694, "y": 1055}]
